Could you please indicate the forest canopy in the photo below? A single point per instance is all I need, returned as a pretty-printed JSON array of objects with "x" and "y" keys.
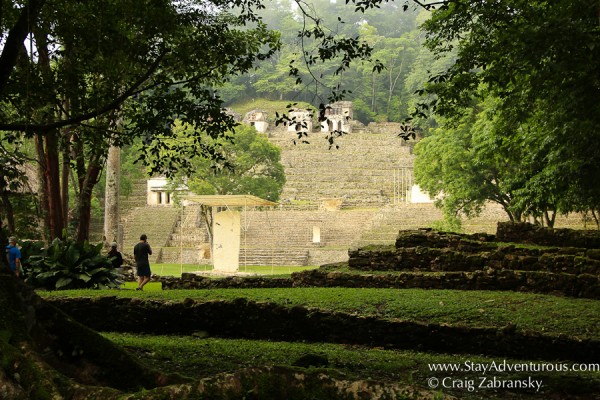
[{"x": 529, "y": 74}]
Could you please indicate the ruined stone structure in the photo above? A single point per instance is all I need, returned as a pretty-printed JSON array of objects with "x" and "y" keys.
[
  {"x": 357, "y": 194},
  {"x": 258, "y": 119},
  {"x": 237, "y": 117},
  {"x": 300, "y": 120},
  {"x": 338, "y": 117},
  {"x": 158, "y": 193}
]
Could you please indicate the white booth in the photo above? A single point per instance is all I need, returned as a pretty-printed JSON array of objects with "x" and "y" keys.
[{"x": 226, "y": 226}]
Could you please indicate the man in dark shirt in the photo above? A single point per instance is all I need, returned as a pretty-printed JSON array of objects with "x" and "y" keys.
[
  {"x": 115, "y": 255},
  {"x": 141, "y": 251}
]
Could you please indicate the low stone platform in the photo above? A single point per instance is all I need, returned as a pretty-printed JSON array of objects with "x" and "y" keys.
[{"x": 269, "y": 321}]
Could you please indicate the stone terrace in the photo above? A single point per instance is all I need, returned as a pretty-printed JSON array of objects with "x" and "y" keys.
[
  {"x": 274, "y": 237},
  {"x": 361, "y": 170},
  {"x": 360, "y": 174},
  {"x": 155, "y": 221}
]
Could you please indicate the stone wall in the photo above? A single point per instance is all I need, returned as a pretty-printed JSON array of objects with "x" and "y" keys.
[
  {"x": 194, "y": 281},
  {"x": 426, "y": 250},
  {"x": 425, "y": 258},
  {"x": 557, "y": 260},
  {"x": 584, "y": 285},
  {"x": 269, "y": 321},
  {"x": 529, "y": 233}
]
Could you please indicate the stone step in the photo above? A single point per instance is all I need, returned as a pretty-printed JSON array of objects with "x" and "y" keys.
[
  {"x": 273, "y": 257},
  {"x": 184, "y": 255},
  {"x": 193, "y": 255},
  {"x": 156, "y": 222}
]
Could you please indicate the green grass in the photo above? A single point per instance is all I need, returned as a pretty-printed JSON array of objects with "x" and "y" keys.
[
  {"x": 199, "y": 357},
  {"x": 149, "y": 287},
  {"x": 577, "y": 318},
  {"x": 177, "y": 269},
  {"x": 270, "y": 106}
]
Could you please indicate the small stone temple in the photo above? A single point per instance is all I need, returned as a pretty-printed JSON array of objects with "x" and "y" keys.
[
  {"x": 158, "y": 193},
  {"x": 257, "y": 119},
  {"x": 338, "y": 117},
  {"x": 300, "y": 120}
]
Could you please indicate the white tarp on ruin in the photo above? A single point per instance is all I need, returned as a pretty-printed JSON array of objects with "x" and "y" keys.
[{"x": 226, "y": 226}]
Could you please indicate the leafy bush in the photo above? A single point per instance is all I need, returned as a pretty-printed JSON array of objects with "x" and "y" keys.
[
  {"x": 30, "y": 248},
  {"x": 66, "y": 264},
  {"x": 449, "y": 223}
]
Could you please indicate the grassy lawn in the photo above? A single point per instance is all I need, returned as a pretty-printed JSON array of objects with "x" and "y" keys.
[
  {"x": 578, "y": 318},
  {"x": 270, "y": 106},
  {"x": 177, "y": 269},
  {"x": 198, "y": 357}
]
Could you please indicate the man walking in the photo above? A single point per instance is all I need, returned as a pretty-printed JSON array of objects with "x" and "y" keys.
[
  {"x": 13, "y": 255},
  {"x": 141, "y": 251}
]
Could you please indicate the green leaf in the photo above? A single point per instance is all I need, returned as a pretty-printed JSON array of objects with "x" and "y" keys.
[
  {"x": 62, "y": 282},
  {"x": 72, "y": 255},
  {"x": 48, "y": 274}
]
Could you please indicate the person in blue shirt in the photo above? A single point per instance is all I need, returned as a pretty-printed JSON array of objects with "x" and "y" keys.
[{"x": 14, "y": 256}]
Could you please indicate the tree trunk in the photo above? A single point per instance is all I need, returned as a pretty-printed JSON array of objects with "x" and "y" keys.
[
  {"x": 85, "y": 201},
  {"x": 111, "y": 195},
  {"x": 373, "y": 92},
  {"x": 208, "y": 219},
  {"x": 550, "y": 218},
  {"x": 52, "y": 176},
  {"x": 3, "y": 239},
  {"x": 57, "y": 357},
  {"x": 15, "y": 38},
  {"x": 8, "y": 211},
  {"x": 596, "y": 219},
  {"x": 64, "y": 181},
  {"x": 66, "y": 169},
  {"x": 394, "y": 81},
  {"x": 43, "y": 187}
]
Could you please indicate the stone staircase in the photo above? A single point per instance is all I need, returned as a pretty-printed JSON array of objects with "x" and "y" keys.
[
  {"x": 135, "y": 199},
  {"x": 386, "y": 223},
  {"x": 284, "y": 232},
  {"x": 273, "y": 257},
  {"x": 155, "y": 221},
  {"x": 97, "y": 228},
  {"x": 272, "y": 237},
  {"x": 361, "y": 170},
  {"x": 188, "y": 239}
]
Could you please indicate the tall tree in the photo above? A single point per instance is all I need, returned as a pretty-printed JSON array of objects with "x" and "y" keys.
[
  {"x": 111, "y": 195},
  {"x": 541, "y": 60},
  {"x": 252, "y": 165},
  {"x": 481, "y": 158},
  {"x": 88, "y": 60}
]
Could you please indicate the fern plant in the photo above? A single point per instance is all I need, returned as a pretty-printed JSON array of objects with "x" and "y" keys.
[{"x": 66, "y": 264}]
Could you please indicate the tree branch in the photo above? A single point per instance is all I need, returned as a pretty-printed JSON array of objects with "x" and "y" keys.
[
  {"x": 132, "y": 90},
  {"x": 16, "y": 37},
  {"x": 428, "y": 6}
]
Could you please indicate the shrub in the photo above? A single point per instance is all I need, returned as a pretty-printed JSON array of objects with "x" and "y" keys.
[
  {"x": 66, "y": 264},
  {"x": 449, "y": 223},
  {"x": 30, "y": 248}
]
